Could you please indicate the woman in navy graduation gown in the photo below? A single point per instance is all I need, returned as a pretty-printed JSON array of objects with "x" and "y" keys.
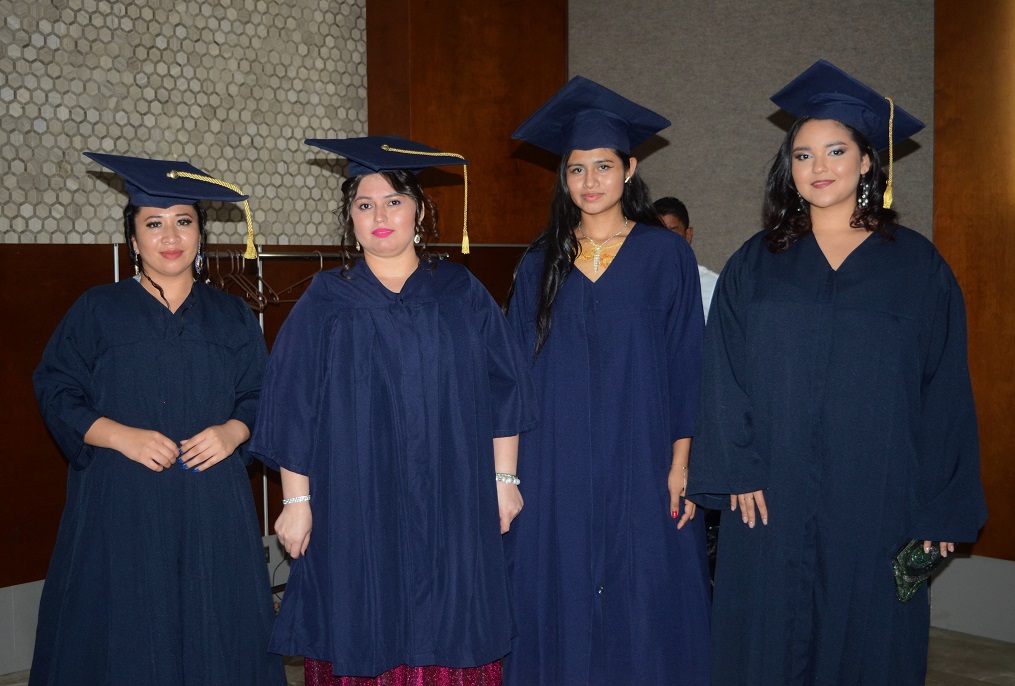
[
  {"x": 150, "y": 387},
  {"x": 837, "y": 420},
  {"x": 610, "y": 574},
  {"x": 394, "y": 397}
]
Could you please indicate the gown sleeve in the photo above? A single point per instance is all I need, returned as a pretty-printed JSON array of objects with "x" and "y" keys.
[
  {"x": 685, "y": 326},
  {"x": 513, "y": 396},
  {"x": 62, "y": 384},
  {"x": 287, "y": 416},
  {"x": 520, "y": 308},
  {"x": 724, "y": 458},
  {"x": 249, "y": 361},
  {"x": 950, "y": 504}
]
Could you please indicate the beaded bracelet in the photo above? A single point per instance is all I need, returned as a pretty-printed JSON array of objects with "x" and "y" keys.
[
  {"x": 508, "y": 479},
  {"x": 297, "y": 499}
]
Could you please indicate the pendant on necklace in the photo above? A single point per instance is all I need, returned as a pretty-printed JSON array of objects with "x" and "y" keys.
[{"x": 597, "y": 248}]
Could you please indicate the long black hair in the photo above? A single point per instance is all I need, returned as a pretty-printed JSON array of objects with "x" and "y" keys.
[
  {"x": 787, "y": 216},
  {"x": 560, "y": 245},
  {"x": 130, "y": 212},
  {"x": 404, "y": 182}
]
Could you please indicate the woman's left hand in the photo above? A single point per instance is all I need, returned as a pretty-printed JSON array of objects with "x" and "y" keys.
[
  {"x": 509, "y": 500},
  {"x": 944, "y": 546},
  {"x": 212, "y": 445},
  {"x": 676, "y": 482},
  {"x": 752, "y": 507}
]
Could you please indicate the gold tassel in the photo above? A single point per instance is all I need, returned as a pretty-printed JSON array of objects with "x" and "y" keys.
[
  {"x": 465, "y": 175},
  {"x": 251, "y": 251},
  {"x": 888, "y": 187},
  {"x": 465, "y": 219}
]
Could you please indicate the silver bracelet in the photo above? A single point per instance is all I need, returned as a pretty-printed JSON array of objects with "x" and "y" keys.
[
  {"x": 297, "y": 499},
  {"x": 508, "y": 479}
]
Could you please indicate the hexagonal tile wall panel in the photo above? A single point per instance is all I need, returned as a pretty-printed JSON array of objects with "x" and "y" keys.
[{"x": 232, "y": 86}]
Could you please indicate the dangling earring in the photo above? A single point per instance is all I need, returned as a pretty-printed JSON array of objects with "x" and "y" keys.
[
  {"x": 357, "y": 246},
  {"x": 627, "y": 179},
  {"x": 199, "y": 262},
  {"x": 864, "y": 196},
  {"x": 800, "y": 201},
  {"x": 416, "y": 239},
  {"x": 136, "y": 269}
]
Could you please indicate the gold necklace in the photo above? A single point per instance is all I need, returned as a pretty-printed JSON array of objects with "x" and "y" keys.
[{"x": 599, "y": 246}]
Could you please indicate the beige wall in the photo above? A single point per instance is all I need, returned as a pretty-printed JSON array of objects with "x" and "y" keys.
[
  {"x": 232, "y": 86},
  {"x": 711, "y": 66}
]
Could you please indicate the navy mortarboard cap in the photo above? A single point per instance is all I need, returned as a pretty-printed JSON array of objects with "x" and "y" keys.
[
  {"x": 162, "y": 183},
  {"x": 375, "y": 154},
  {"x": 584, "y": 116},
  {"x": 826, "y": 92},
  {"x": 158, "y": 183}
]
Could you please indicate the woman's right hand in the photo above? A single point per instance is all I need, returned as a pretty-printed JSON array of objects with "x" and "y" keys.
[
  {"x": 747, "y": 502},
  {"x": 148, "y": 448},
  {"x": 509, "y": 502},
  {"x": 144, "y": 446},
  {"x": 293, "y": 528}
]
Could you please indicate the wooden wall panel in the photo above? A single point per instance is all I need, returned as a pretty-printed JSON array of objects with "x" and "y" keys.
[
  {"x": 461, "y": 77},
  {"x": 974, "y": 221},
  {"x": 38, "y": 284}
]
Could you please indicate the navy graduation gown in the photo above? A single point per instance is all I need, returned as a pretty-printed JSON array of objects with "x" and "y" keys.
[
  {"x": 845, "y": 396},
  {"x": 606, "y": 589},
  {"x": 390, "y": 402},
  {"x": 156, "y": 577}
]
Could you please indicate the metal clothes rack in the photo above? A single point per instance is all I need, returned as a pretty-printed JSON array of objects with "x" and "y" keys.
[{"x": 300, "y": 255}]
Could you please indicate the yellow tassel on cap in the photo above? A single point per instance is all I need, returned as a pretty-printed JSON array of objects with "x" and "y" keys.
[
  {"x": 251, "y": 251},
  {"x": 891, "y": 121},
  {"x": 465, "y": 176}
]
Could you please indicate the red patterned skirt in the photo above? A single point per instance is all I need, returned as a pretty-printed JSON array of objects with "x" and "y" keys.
[{"x": 318, "y": 673}]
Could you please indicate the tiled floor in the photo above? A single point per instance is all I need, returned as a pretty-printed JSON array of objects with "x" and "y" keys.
[
  {"x": 963, "y": 660},
  {"x": 955, "y": 660},
  {"x": 293, "y": 671}
]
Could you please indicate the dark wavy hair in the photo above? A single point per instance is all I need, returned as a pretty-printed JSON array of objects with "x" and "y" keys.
[
  {"x": 402, "y": 181},
  {"x": 560, "y": 246},
  {"x": 130, "y": 212},
  {"x": 787, "y": 217}
]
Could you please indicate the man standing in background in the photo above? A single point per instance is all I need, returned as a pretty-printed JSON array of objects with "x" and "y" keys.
[{"x": 673, "y": 214}]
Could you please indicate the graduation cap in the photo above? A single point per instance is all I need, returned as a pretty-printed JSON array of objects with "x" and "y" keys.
[
  {"x": 584, "y": 115},
  {"x": 375, "y": 154},
  {"x": 824, "y": 91},
  {"x": 162, "y": 183}
]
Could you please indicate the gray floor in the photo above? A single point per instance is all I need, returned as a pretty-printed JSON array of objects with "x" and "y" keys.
[
  {"x": 955, "y": 660},
  {"x": 962, "y": 660}
]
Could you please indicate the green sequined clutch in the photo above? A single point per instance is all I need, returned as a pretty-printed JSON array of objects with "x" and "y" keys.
[{"x": 913, "y": 566}]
